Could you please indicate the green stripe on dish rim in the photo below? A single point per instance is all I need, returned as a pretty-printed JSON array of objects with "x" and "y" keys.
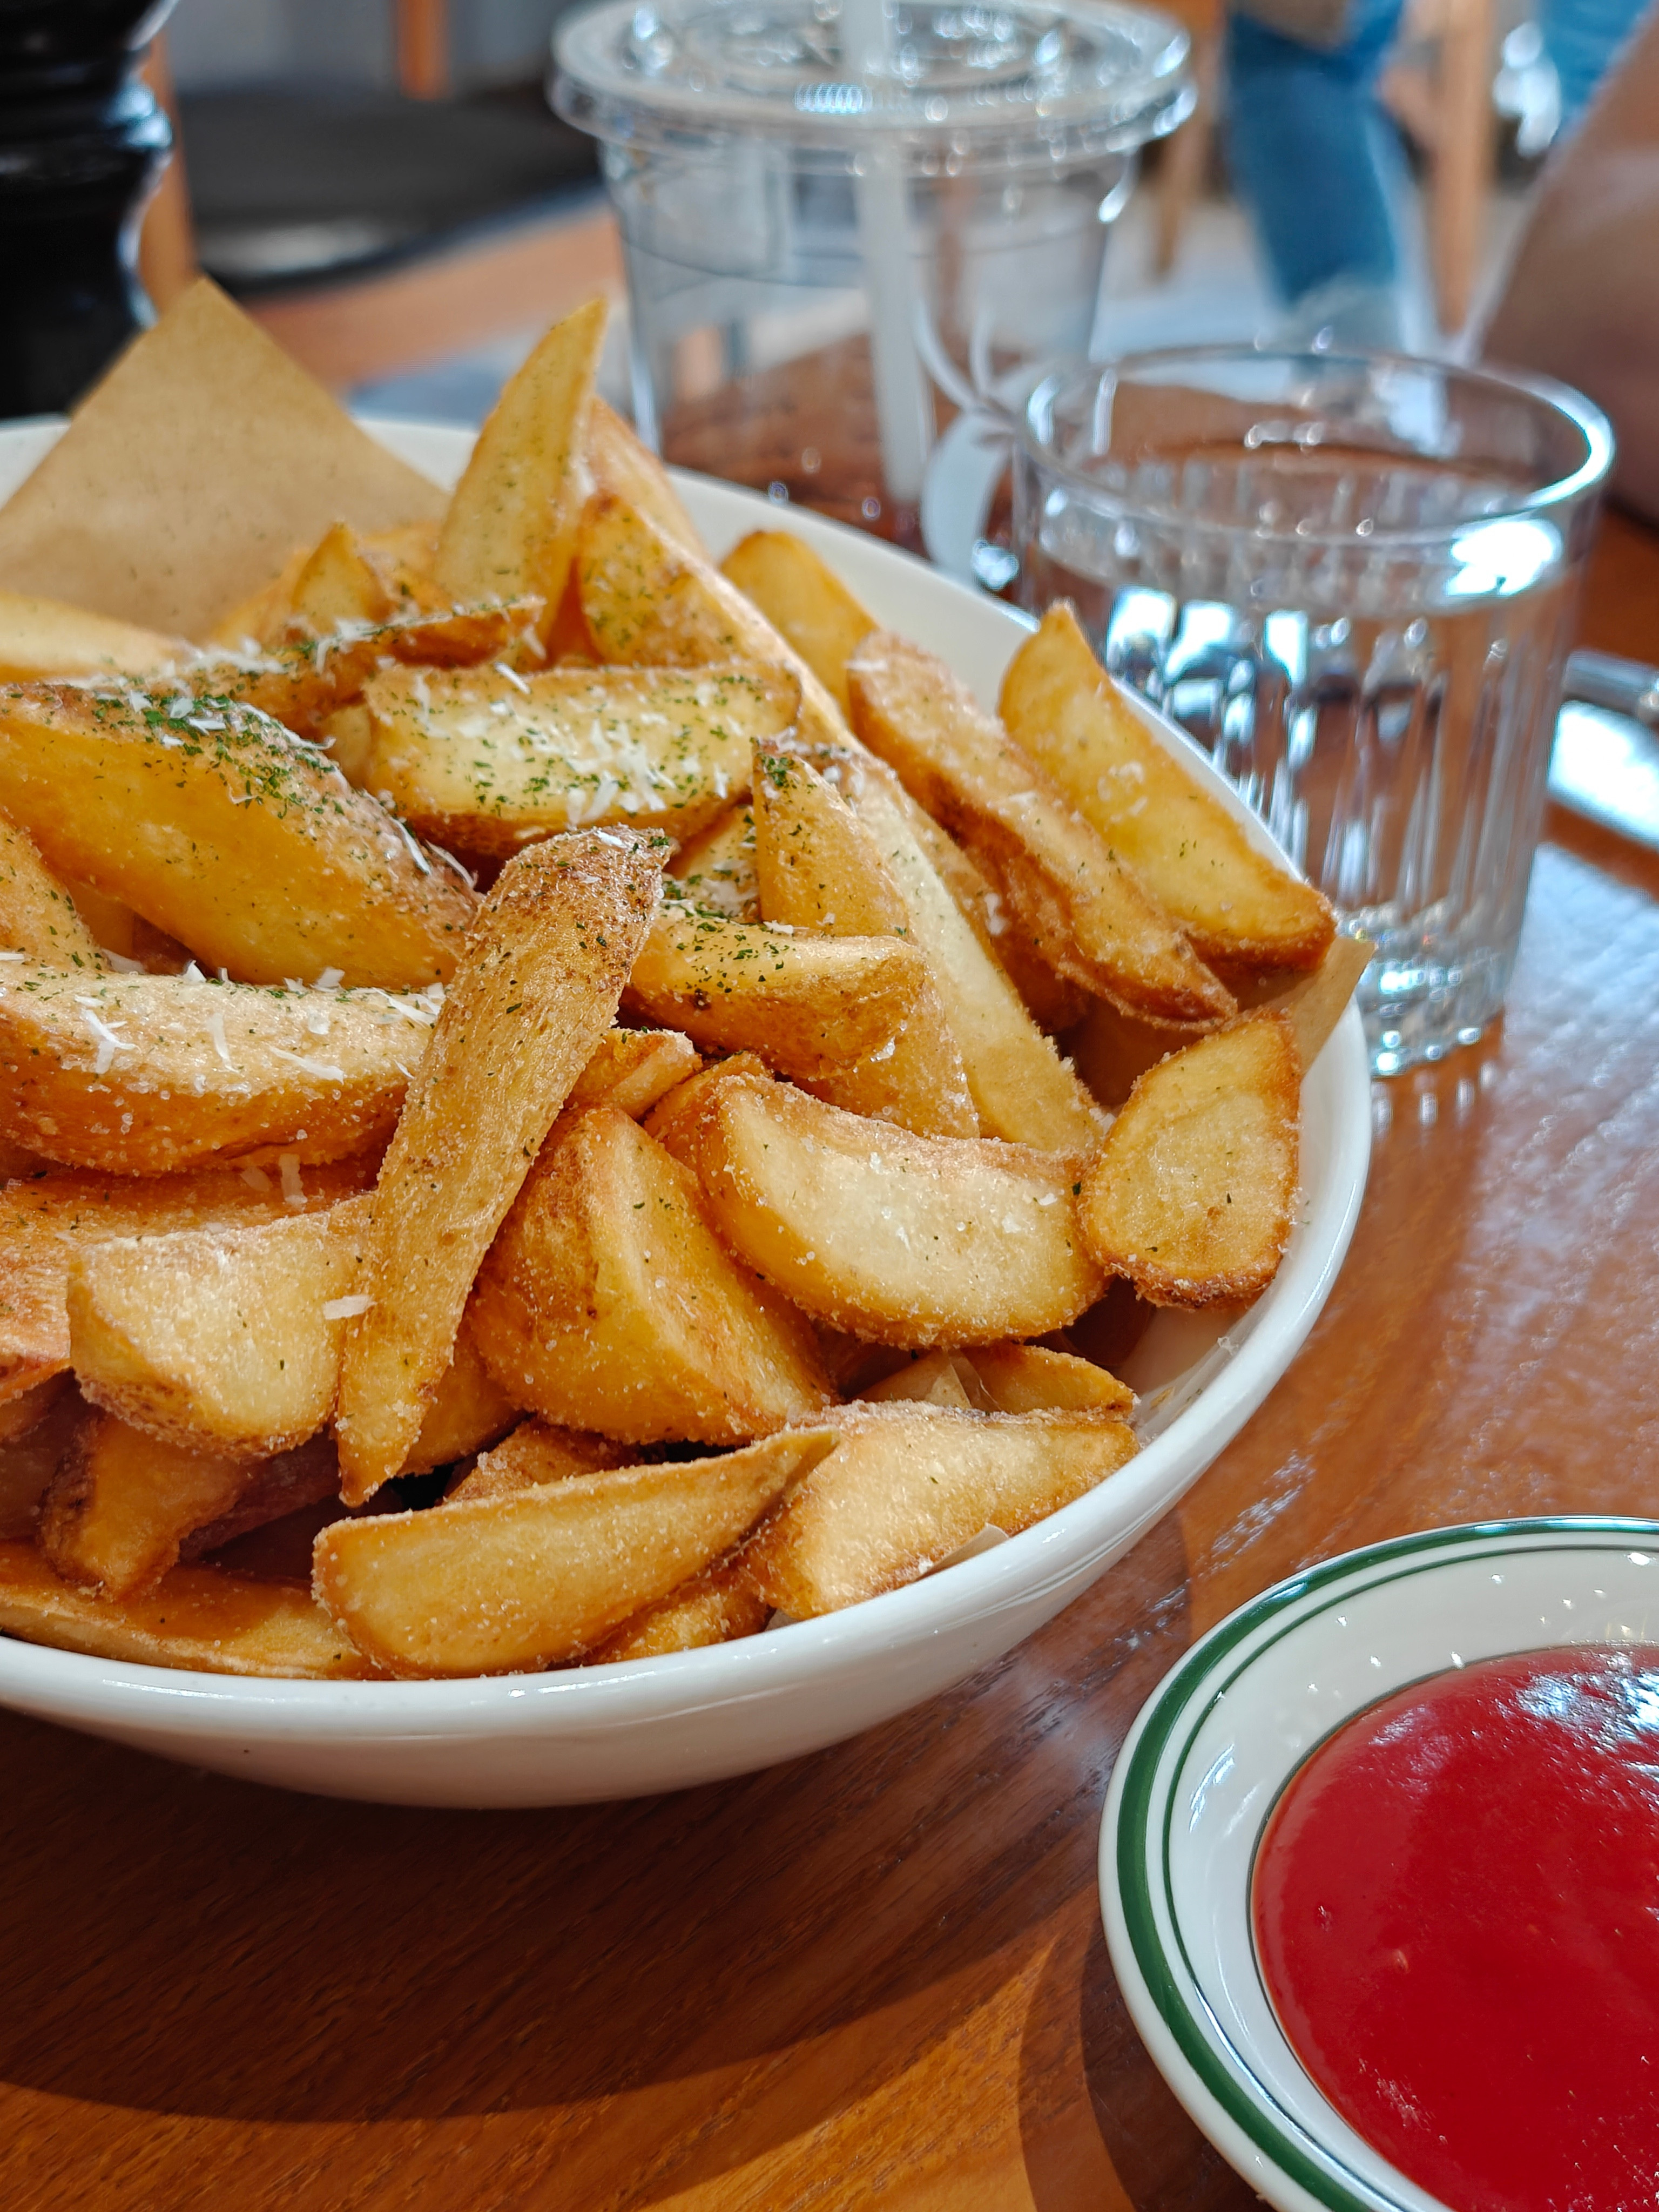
[{"x": 1141, "y": 1809}]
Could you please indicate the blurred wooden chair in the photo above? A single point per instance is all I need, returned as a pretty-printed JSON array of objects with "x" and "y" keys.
[
  {"x": 1438, "y": 89},
  {"x": 502, "y": 225}
]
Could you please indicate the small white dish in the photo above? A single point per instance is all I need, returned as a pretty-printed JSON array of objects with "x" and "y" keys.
[
  {"x": 652, "y": 1724},
  {"x": 1214, "y": 1746}
]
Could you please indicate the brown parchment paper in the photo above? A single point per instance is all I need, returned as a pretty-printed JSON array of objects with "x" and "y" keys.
[{"x": 191, "y": 472}]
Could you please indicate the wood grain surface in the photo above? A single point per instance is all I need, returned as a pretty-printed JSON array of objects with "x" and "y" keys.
[{"x": 875, "y": 1977}]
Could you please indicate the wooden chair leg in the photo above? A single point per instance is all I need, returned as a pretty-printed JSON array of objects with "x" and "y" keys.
[{"x": 1462, "y": 158}]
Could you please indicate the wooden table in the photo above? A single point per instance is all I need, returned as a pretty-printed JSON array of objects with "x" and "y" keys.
[{"x": 876, "y": 1977}]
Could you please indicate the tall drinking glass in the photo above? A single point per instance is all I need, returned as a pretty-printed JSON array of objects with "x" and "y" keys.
[{"x": 1354, "y": 581}]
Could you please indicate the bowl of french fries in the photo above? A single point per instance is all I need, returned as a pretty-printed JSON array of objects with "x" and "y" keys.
[{"x": 632, "y": 1137}]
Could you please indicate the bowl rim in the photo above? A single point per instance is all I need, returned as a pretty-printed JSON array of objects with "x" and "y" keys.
[
  {"x": 581, "y": 1701},
  {"x": 1237, "y": 2111}
]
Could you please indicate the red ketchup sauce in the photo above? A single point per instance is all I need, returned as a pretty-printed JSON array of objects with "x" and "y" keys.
[{"x": 1457, "y": 1906}]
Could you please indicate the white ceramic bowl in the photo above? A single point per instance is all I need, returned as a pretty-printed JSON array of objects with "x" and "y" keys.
[
  {"x": 664, "y": 1723},
  {"x": 1211, "y": 1753}
]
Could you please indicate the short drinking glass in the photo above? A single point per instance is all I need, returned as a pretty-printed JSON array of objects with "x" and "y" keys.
[{"x": 1354, "y": 581}]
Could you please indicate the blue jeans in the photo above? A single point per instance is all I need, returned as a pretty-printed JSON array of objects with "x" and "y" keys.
[
  {"x": 1314, "y": 157},
  {"x": 1582, "y": 37}
]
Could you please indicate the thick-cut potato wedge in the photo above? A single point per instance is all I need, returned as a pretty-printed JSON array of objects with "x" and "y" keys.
[
  {"x": 121, "y": 1503},
  {"x": 1234, "y": 903},
  {"x": 907, "y": 1484},
  {"x": 223, "y": 1341},
  {"x": 1028, "y": 1378},
  {"x": 1190, "y": 1196},
  {"x": 469, "y": 1411},
  {"x": 716, "y": 868},
  {"x": 535, "y": 1453},
  {"x": 538, "y": 990},
  {"x": 511, "y": 525},
  {"x": 196, "y": 1618},
  {"x": 631, "y": 1070},
  {"x": 651, "y": 600},
  {"x": 533, "y": 1580},
  {"x": 913, "y": 1241},
  {"x": 608, "y": 1303},
  {"x": 1089, "y": 915},
  {"x": 716, "y": 1606},
  {"x": 38, "y": 916},
  {"x": 1021, "y": 1088},
  {"x": 808, "y": 1005},
  {"x": 214, "y": 825},
  {"x": 309, "y": 685},
  {"x": 151, "y": 1074},
  {"x": 805, "y": 601},
  {"x": 44, "y": 638},
  {"x": 672, "y": 1120},
  {"x": 486, "y": 760},
  {"x": 1314, "y": 1004},
  {"x": 30, "y": 1460},
  {"x": 819, "y": 870},
  {"x": 44, "y": 1221},
  {"x": 1053, "y": 1003},
  {"x": 619, "y": 463},
  {"x": 339, "y": 584},
  {"x": 271, "y": 1492}
]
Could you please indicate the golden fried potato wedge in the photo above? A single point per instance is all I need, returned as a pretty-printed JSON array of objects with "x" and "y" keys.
[
  {"x": 805, "y": 601},
  {"x": 196, "y": 1617},
  {"x": 309, "y": 684},
  {"x": 1234, "y": 903},
  {"x": 38, "y": 916},
  {"x": 121, "y": 1503},
  {"x": 214, "y": 825},
  {"x": 716, "y": 868},
  {"x": 44, "y": 1220},
  {"x": 273, "y": 1490},
  {"x": 511, "y": 524},
  {"x": 151, "y": 1074},
  {"x": 1021, "y": 1088},
  {"x": 620, "y": 464},
  {"x": 1053, "y": 1003},
  {"x": 1190, "y": 1196},
  {"x": 716, "y": 1606},
  {"x": 631, "y": 1070},
  {"x": 540, "y": 1579},
  {"x": 1029, "y": 1378},
  {"x": 536, "y": 991},
  {"x": 486, "y": 760},
  {"x": 672, "y": 1120},
  {"x": 469, "y": 1411},
  {"x": 912, "y": 1241},
  {"x": 339, "y": 584},
  {"x": 650, "y": 600},
  {"x": 1089, "y": 915},
  {"x": 535, "y": 1453},
  {"x": 223, "y": 1341},
  {"x": 907, "y": 1484},
  {"x": 808, "y": 1004},
  {"x": 608, "y": 1303},
  {"x": 44, "y": 638},
  {"x": 29, "y": 1460},
  {"x": 818, "y": 870}
]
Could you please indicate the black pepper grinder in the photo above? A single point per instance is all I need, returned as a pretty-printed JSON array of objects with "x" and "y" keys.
[{"x": 83, "y": 141}]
